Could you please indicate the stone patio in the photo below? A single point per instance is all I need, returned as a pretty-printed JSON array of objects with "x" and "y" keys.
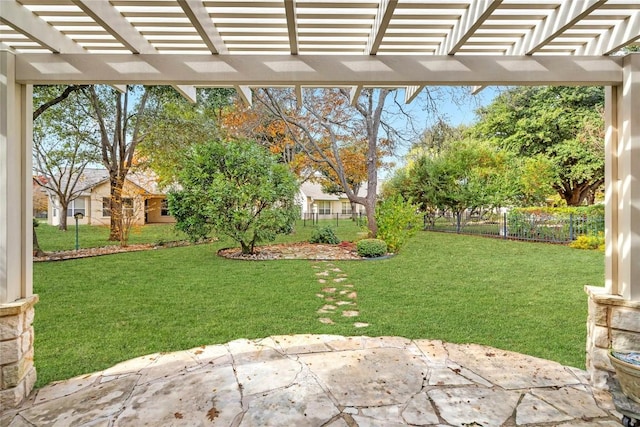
[{"x": 324, "y": 380}]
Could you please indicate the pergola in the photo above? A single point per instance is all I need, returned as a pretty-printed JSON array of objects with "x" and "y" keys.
[{"x": 407, "y": 44}]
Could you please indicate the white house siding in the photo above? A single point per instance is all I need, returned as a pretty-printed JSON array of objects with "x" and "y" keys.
[
  {"x": 93, "y": 206},
  {"x": 314, "y": 201},
  {"x": 155, "y": 212}
]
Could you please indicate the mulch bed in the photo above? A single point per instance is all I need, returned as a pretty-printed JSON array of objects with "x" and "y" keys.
[
  {"x": 105, "y": 250},
  {"x": 301, "y": 250}
]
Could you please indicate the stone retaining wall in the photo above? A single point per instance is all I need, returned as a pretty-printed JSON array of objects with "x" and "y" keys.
[
  {"x": 17, "y": 372},
  {"x": 613, "y": 323}
]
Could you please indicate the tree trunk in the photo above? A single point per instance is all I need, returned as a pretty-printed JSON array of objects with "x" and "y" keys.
[
  {"x": 115, "y": 232},
  {"x": 36, "y": 246},
  {"x": 576, "y": 195},
  {"x": 246, "y": 248},
  {"x": 371, "y": 218},
  {"x": 62, "y": 225},
  {"x": 354, "y": 212}
]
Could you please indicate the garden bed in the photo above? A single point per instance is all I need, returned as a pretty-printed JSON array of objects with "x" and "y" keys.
[{"x": 300, "y": 250}]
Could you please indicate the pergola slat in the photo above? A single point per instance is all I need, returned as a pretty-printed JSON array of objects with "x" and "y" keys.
[
  {"x": 20, "y": 19},
  {"x": 564, "y": 17},
  {"x": 199, "y": 17},
  {"x": 116, "y": 25},
  {"x": 470, "y": 21},
  {"x": 615, "y": 38}
]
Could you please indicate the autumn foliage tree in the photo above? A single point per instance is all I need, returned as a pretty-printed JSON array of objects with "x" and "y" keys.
[
  {"x": 327, "y": 124},
  {"x": 258, "y": 124}
]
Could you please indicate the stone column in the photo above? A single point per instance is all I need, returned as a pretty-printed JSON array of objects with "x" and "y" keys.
[
  {"x": 613, "y": 322},
  {"x": 614, "y": 311},
  {"x": 17, "y": 373}
]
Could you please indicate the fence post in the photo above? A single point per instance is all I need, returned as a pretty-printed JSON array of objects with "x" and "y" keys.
[
  {"x": 504, "y": 226},
  {"x": 571, "y": 227}
]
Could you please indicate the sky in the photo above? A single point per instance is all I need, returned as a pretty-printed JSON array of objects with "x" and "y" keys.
[
  {"x": 465, "y": 113},
  {"x": 456, "y": 105}
]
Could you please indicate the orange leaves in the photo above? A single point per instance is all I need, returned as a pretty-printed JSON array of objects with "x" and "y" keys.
[{"x": 246, "y": 123}]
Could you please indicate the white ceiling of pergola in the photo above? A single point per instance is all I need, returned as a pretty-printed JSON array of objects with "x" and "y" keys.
[{"x": 312, "y": 42}]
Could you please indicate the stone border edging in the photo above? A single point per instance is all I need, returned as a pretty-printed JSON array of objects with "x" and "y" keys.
[{"x": 240, "y": 258}]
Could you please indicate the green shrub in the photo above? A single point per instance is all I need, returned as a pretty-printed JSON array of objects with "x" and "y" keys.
[
  {"x": 397, "y": 221},
  {"x": 556, "y": 223},
  {"x": 371, "y": 248},
  {"x": 324, "y": 235},
  {"x": 589, "y": 241},
  {"x": 591, "y": 210},
  {"x": 234, "y": 188}
]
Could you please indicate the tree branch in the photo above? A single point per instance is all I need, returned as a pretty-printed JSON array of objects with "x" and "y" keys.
[{"x": 64, "y": 95}]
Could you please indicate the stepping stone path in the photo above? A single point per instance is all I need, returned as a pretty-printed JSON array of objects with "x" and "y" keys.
[{"x": 340, "y": 299}]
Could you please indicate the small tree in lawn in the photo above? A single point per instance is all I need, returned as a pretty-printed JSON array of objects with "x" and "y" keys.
[{"x": 236, "y": 189}]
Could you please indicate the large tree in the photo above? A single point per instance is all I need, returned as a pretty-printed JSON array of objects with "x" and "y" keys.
[
  {"x": 237, "y": 189},
  {"x": 57, "y": 95},
  {"x": 326, "y": 123},
  {"x": 172, "y": 126},
  {"x": 118, "y": 118},
  {"x": 562, "y": 124},
  {"x": 62, "y": 145}
]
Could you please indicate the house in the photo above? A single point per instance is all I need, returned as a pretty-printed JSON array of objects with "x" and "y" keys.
[
  {"x": 313, "y": 200},
  {"x": 142, "y": 200},
  {"x": 40, "y": 198}
]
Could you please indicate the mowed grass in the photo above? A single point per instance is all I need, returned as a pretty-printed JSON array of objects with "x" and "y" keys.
[
  {"x": 92, "y": 236},
  {"x": 524, "y": 297}
]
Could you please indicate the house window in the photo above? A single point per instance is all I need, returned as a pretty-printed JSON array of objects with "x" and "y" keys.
[
  {"x": 75, "y": 206},
  {"x": 164, "y": 207},
  {"x": 324, "y": 207},
  {"x": 106, "y": 206},
  {"x": 346, "y": 208},
  {"x": 127, "y": 207}
]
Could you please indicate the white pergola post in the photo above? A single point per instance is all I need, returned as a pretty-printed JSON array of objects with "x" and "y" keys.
[
  {"x": 614, "y": 311},
  {"x": 624, "y": 126},
  {"x": 17, "y": 373}
]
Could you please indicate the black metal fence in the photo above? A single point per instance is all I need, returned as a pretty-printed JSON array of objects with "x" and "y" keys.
[
  {"x": 518, "y": 226},
  {"x": 310, "y": 218}
]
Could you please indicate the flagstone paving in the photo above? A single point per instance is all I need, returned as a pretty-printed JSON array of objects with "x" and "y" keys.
[
  {"x": 324, "y": 380},
  {"x": 341, "y": 296}
]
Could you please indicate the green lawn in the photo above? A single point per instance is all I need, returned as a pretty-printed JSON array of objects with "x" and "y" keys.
[
  {"x": 92, "y": 236},
  {"x": 525, "y": 297}
]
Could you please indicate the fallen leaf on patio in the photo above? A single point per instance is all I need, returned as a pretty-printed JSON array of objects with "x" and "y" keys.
[{"x": 212, "y": 414}]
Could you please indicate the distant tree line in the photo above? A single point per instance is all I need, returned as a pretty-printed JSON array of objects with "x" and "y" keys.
[{"x": 529, "y": 144}]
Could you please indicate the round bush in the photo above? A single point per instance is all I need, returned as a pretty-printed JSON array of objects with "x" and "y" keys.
[
  {"x": 371, "y": 248},
  {"x": 324, "y": 235}
]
